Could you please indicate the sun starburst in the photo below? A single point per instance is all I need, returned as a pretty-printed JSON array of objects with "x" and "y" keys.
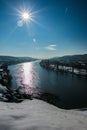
[{"x": 27, "y": 16}]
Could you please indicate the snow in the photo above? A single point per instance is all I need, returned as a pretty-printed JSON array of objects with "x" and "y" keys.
[
  {"x": 2, "y": 89},
  {"x": 39, "y": 115}
]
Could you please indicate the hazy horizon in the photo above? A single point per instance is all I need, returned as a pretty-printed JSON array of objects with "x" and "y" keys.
[{"x": 44, "y": 57}]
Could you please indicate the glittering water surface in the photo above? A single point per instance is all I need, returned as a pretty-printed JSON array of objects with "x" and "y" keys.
[
  {"x": 26, "y": 76},
  {"x": 34, "y": 79}
]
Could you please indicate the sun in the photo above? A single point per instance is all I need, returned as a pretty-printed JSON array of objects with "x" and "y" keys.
[{"x": 26, "y": 16}]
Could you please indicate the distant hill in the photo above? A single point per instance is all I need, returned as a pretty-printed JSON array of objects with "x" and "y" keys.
[
  {"x": 14, "y": 60},
  {"x": 71, "y": 58}
]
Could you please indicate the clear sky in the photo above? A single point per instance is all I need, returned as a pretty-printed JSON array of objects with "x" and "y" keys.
[{"x": 54, "y": 28}]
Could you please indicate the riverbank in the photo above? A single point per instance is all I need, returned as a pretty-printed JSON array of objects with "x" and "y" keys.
[
  {"x": 77, "y": 68},
  {"x": 5, "y": 77}
]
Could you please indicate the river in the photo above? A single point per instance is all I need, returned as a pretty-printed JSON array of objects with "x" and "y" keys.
[{"x": 34, "y": 79}]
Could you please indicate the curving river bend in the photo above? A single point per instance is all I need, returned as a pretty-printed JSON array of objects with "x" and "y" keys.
[{"x": 34, "y": 79}]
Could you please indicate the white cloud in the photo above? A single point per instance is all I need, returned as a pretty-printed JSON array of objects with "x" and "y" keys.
[{"x": 51, "y": 47}]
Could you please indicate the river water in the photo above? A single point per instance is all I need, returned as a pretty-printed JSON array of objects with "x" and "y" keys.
[{"x": 71, "y": 89}]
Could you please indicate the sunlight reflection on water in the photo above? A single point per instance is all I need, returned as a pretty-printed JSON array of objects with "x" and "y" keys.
[
  {"x": 25, "y": 76},
  {"x": 29, "y": 78}
]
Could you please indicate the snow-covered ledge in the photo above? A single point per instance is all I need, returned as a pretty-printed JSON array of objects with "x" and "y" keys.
[{"x": 39, "y": 115}]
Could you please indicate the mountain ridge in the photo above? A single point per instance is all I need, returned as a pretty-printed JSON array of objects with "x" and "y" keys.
[
  {"x": 71, "y": 58},
  {"x": 14, "y": 60}
]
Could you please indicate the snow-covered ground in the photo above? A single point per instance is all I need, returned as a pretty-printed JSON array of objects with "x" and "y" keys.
[{"x": 39, "y": 115}]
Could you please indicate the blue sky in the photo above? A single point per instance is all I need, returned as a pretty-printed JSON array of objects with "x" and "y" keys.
[{"x": 59, "y": 27}]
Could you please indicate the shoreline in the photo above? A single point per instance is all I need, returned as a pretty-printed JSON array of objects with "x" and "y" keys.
[
  {"x": 18, "y": 96},
  {"x": 62, "y": 67}
]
